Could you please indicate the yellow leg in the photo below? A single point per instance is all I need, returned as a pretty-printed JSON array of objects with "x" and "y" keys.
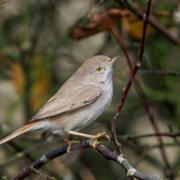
[
  {"x": 95, "y": 138},
  {"x": 70, "y": 143},
  {"x": 80, "y": 134}
]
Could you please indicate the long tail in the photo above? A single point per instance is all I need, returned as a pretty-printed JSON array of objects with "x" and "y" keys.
[{"x": 22, "y": 130}]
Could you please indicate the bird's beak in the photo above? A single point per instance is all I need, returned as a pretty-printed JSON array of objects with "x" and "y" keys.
[{"x": 111, "y": 61}]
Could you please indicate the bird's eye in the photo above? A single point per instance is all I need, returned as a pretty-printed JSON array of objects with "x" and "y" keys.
[{"x": 99, "y": 69}]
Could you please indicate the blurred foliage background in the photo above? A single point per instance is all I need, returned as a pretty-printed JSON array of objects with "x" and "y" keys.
[{"x": 38, "y": 53}]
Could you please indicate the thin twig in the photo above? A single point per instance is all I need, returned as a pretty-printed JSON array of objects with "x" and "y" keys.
[
  {"x": 160, "y": 72},
  {"x": 140, "y": 92},
  {"x": 43, "y": 175},
  {"x": 165, "y": 134},
  {"x": 130, "y": 81},
  {"x": 151, "y": 20},
  {"x": 22, "y": 153}
]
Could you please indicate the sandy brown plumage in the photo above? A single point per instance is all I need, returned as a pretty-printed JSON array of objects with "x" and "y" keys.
[{"x": 78, "y": 102}]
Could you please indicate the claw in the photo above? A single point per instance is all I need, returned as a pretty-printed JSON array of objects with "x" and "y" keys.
[
  {"x": 70, "y": 143},
  {"x": 98, "y": 137}
]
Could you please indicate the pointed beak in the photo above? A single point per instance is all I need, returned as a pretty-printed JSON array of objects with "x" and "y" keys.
[{"x": 111, "y": 61}]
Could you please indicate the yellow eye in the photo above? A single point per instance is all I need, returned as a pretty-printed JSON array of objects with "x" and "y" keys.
[{"x": 99, "y": 69}]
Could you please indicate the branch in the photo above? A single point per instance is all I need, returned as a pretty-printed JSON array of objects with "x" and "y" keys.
[
  {"x": 143, "y": 98},
  {"x": 160, "y": 72},
  {"x": 130, "y": 81},
  {"x": 22, "y": 153},
  {"x": 151, "y": 20},
  {"x": 107, "y": 21},
  {"x": 165, "y": 134},
  {"x": 140, "y": 93},
  {"x": 102, "y": 149}
]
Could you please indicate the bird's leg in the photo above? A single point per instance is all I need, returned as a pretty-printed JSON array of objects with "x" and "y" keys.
[
  {"x": 81, "y": 134},
  {"x": 63, "y": 137},
  {"x": 70, "y": 143},
  {"x": 95, "y": 138}
]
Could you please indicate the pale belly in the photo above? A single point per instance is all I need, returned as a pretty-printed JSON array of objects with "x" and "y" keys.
[{"x": 83, "y": 117}]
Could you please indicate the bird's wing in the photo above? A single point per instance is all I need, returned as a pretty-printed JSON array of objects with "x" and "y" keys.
[{"x": 66, "y": 101}]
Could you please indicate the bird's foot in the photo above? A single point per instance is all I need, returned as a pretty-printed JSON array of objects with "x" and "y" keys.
[
  {"x": 98, "y": 137},
  {"x": 70, "y": 143},
  {"x": 94, "y": 138}
]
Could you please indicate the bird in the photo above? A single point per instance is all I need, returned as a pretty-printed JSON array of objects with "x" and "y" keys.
[{"x": 78, "y": 102}]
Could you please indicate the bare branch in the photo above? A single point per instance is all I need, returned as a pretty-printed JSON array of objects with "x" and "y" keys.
[
  {"x": 142, "y": 95},
  {"x": 102, "y": 149},
  {"x": 151, "y": 20},
  {"x": 131, "y": 80}
]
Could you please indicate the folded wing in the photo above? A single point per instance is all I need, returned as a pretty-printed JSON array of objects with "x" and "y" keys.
[{"x": 65, "y": 101}]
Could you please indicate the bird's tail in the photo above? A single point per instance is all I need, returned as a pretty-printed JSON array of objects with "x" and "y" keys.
[{"x": 22, "y": 130}]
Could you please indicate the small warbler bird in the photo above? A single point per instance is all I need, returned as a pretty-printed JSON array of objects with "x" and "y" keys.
[{"x": 78, "y": 103}]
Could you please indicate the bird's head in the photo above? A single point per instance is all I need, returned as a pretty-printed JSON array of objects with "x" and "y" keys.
[{"x": 97, "y": 68}]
